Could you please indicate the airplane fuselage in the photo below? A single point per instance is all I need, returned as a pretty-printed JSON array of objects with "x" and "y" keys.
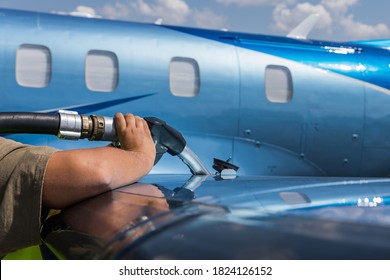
[{"x": 274, "y": 105}]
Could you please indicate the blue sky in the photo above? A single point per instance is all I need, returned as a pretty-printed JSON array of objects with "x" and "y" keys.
[{"x": 340, "y": 20}]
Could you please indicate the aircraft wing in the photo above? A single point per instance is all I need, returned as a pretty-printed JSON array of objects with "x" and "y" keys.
[{"x": 209, "y": 217}]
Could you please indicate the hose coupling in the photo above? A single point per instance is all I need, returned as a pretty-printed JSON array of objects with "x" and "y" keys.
[
  {"x": 70, "y": 125},
  {"x": 95, "y": 128}
]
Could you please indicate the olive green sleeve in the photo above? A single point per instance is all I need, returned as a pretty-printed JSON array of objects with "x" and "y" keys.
[{"x": 21, "y": 182}]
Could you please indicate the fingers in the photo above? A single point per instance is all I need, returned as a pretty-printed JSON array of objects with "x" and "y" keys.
[
  {"x": 142, "y": 124},
  {"x": 130, "y": 121},
  {"x": 134, "y": 135},
  {"x": 139, "y": 122},
  {"x": 120, "y": 123},
  {"x": 146, "y": 127}
]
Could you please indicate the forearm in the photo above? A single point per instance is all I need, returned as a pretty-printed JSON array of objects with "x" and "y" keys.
[
  {"x": 128, "y": 167},
  {"x": 77, "y": 174}
]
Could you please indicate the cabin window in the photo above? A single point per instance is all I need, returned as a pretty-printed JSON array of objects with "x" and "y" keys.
[
  {"x": 184, "y": 78},
  {"x": 33, "y": 66},
  {"x": 278, "y": 84},
  {"x": 101, "y": 71}
]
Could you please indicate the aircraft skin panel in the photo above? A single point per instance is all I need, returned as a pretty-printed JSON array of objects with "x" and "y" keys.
[
  {"x": 135, "y": 77},
  {"x": 364, "y": 71},
  {"x": 310, "y": 52},
  {"x": 308, "y": 118},
  {"x": 385, "y": 44}
]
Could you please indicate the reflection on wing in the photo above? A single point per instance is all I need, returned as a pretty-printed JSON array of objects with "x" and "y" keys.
[{"x": 244, "y": 218}]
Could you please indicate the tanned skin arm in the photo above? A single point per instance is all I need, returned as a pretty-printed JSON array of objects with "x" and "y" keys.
[{"x": 73, "y": 175}]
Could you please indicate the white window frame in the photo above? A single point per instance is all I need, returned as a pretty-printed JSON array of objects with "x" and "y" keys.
[
  {"x": 184, "y": 77},
  {"x": 33, "y": 66},
  {"x": 278, "y": 84},
  {"x": 101, "y": 71}
]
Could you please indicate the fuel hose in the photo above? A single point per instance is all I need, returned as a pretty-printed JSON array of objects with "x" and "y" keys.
[{"x": 25, "y": 122}]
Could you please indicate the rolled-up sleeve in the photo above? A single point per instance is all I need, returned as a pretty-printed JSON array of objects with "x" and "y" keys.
[{"x": 22, "y": 170}]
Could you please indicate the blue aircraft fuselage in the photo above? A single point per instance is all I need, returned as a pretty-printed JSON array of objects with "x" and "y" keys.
[{"x": 274, "y": 105}]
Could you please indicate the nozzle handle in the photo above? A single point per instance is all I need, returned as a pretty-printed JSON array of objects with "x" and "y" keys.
[{"x": 166, "y": 135}]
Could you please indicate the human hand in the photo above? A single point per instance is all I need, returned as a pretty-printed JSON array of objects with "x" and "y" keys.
[{"x": 134, "y": 134}]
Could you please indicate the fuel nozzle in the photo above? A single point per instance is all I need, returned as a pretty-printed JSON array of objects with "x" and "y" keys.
[{"x": 169, "y": 138}]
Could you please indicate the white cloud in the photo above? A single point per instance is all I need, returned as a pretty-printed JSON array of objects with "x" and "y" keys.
[
  {"x": 81, "y": 10},
  {"x": 117, "y": 10},
  {"x": 335, "y": 16},
  {"x": 340, "y": 10},
  {"x": 254, "y": 2},
  {"x": 358, "y": 30},
  {"x": 338, "y": 7},
  {"x": 172, "y": 11},
  {"x": 208, "y": 19}
]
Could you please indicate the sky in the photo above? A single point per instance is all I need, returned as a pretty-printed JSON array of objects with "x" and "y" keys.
[{"x": 340, "y": 20}]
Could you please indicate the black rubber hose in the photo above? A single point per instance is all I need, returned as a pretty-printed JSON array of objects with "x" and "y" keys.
[{"x": 24, "y": 122}]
